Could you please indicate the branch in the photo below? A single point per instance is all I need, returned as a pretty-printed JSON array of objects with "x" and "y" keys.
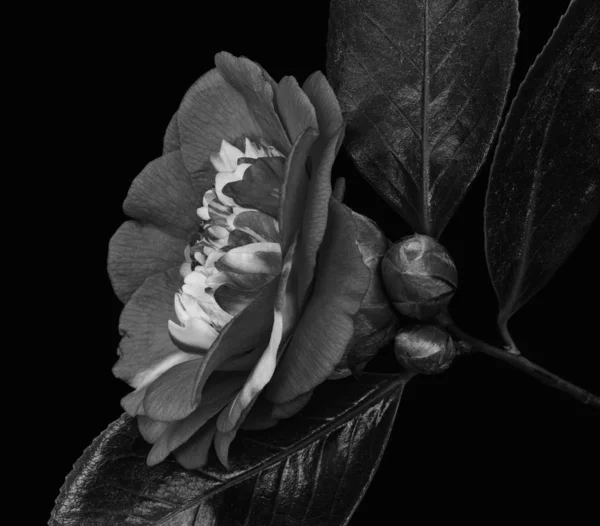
[{"x": 522, "y": 363}]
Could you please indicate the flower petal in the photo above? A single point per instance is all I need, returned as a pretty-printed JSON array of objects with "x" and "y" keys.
[
  {"x": 150, "y": 429},
  {"x": 326, "y": 326},
  {"x": 217, "y": 393},
  {"x": 259, "y": 187},
  {"x": 196, "y": 337},
  {"x": 314, "y": 220},
  {"x": 325, "y": 103},
  {"x": 243, "y": 333},
  {"x": 256, "y": 258},
  {"x": 263, "y": 370},
  {"x": 292, "y": 199},
  {"x": 295, "y": 108},
  {"x": 133, "y": 403},
  {"x": 257, "y": 88},
  {"x": 165, "y": 196},
  {"x": 212, "y": 111},
  {"x": 258, "y": 224},
  {"x": 171, "y": 142},
  {"x": 169, "y": 397},
  {"x": 136, "y": 252},
  {"x": 266, "y": 414},
  {"x": 143, "y": 324},
  {"x": 194, "y": 453}
]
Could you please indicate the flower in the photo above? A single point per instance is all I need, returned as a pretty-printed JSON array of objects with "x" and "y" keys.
[
  {"x": 230, "y": 319},
  {"x": 420, "y": 276},
  {"x": 426, "y": 349}
]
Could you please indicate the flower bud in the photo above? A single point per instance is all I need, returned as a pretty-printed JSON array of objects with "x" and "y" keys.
[
  {"x": 375, "y": 323},
  {"x": 420, "y": 276},
  {"x": 425, "y": 349}
]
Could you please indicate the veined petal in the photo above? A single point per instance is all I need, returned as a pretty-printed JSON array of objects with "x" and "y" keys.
[
  {"x": 265, "y": 367},
  {"x": 314, "y": 220},
  {"x": 257, "y": 88},
  {"x": 295, "y": 108},
  {"x": 217, "y": 393},
  {"x": 171, "y": 142},
  {"x": 133, "y": 403},
  {"x": 211, "y": 111},
  {"x": 325, "y": 103},
  {"x": 194, "y": 453},
  {"x": 164, "y": 196},
  {"x": 136, "y": 252},
  {"x": 326, "y": 326},
  {"x": 292, "y": 199},
  {"x": 169, "y": 397},
  {"x": 150, "y": 429},
  {"x": 143, "y": 324}
]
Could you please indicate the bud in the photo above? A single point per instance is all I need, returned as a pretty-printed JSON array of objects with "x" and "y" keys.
[
  {"x": 420, "y": 276},
  {"x": 375, "y": 323},
  {"x": 425, "y": 349}
]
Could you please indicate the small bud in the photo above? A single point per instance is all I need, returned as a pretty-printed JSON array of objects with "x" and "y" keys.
[
  {"x": 425, "y": 349},
  {"x": 375, "y": 323},
  {"x": 420, "y": 276}
]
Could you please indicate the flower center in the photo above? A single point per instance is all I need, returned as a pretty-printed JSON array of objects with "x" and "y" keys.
[{"x": 236, "y": 251}]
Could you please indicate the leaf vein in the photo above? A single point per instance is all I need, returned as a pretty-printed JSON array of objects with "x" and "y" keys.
[
  {"x": 395, "y": 44},
  {"x": 461, "y": 37},
  {"x": 390, "y": 100}
]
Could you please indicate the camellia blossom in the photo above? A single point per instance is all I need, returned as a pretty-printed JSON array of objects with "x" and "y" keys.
[{"x": 230, "y": 318}]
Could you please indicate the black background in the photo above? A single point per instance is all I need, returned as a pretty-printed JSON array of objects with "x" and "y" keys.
[{"x": 479, "y": 443}]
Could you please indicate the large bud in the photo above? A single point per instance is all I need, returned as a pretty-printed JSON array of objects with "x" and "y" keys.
[
  {"x": 420, "y": 276},
  {"x": 425, "y": 349},
  {"x": 375, "y": 323}
]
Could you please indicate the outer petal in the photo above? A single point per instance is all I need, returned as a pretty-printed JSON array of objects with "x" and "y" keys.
[
  {"x": 169, "y": 397},
  {"x": 143, "y": 324},
  {"x": 172, "y": 142},
  {"x": 194, "y": 453},
  {"x": 292, "y": 199},
  {"x": 217, "y": 393},
  {"x": 257, "y": 88},
  {"x": 150, "y": 429},
  {"x": 331, "y": 134},
  {"x": 227, "y": 103},
  {"x": 229, "y": 419},
  {"x": 315, "y": 216},
  {"x": 295, "y": 108},
  {"x": 327, "y": 107},
  {"x": 326, "y": 326},
  {"x": 136, "y": 252},
  {"x": 246, "y": 332},
  {"x": 165, "y": 196}
]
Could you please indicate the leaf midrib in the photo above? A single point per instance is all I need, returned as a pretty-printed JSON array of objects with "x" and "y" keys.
[
  {"x": 426, "y": 217},
  {"x": 393, "y": 382}
]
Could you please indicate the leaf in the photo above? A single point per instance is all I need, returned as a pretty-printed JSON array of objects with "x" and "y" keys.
[
  {"x": 312, "y": 469},
  {"x": 422, "y": 85},
  {"x": 544, "y": 189}
]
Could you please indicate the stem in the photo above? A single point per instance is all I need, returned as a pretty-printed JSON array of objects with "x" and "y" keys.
[{"x": 520, "y": 362}]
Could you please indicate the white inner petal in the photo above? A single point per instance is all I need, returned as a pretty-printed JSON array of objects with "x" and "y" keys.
[
  {"x": 197, "y": 333},
  {"x": 147, "y": 376},
  {"x": 247, "y": 258}
]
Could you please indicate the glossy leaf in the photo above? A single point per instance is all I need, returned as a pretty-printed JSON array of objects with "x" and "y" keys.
[
  {"x": 422, "y": 84},
  {"x": 312, "y": 469},
  {"x": 544, "y": 189}
]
